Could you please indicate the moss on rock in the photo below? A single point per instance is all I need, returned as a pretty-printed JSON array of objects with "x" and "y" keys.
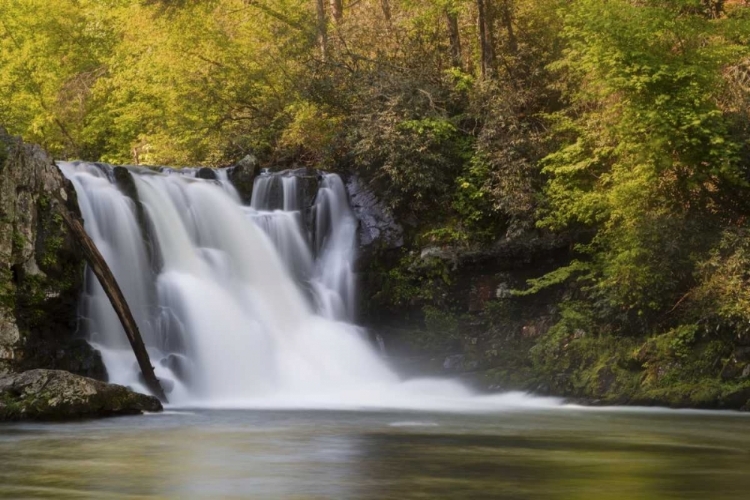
[
  {"x": 41, "y": 269},
  {"x": 60, "y": 395}
]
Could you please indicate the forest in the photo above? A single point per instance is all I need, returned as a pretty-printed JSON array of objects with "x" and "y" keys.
[{"x": 620, "y": 126}]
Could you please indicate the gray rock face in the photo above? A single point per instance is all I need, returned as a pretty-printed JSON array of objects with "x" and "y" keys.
[
  {"x": 377, "y": 227},
  {"x": 41, "y": 270},
  {"x": 242, "y": 176},
  {"x": 125, "y": 183},
  {"x": 308, "y": 181},
  {"x": 60, "y": 395},
  {"x": 206, "y": 173}
]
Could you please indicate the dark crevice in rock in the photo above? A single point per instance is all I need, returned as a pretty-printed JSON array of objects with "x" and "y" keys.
[
  {"x": 206, "y": 173},
  {"x": 126, "y": 184}
]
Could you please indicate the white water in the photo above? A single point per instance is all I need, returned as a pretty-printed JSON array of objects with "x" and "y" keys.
[{"x": 244, "y": 306}]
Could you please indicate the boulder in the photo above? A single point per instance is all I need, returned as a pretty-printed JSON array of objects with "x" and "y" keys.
[
  {"x": 206, "y": 173},
  {"x": 41, "y": 269},
  {"x": 178, "y": 364},
  {"x": 125, "y": 182},
  {"x": 242, "y": 176},
  {"x": 59, "y": 395}
]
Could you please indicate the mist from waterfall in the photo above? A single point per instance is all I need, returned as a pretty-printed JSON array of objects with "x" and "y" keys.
[{"x": 243, "y": 306}]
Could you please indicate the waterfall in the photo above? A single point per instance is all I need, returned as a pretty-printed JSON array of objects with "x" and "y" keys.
[
  {"x": 239, "y": 306},
  {"x": 335, "y": 236}
]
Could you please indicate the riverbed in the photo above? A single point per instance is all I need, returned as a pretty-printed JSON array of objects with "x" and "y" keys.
[{"x": 555, "y": 453}]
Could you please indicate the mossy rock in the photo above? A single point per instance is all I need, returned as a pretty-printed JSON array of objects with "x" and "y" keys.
[
  {"x": 242, "y": 176},
  {"x": 60, "y": 395}
]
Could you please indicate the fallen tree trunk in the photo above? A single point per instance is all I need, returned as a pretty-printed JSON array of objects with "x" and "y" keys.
[{"x": 112, "y": 289}]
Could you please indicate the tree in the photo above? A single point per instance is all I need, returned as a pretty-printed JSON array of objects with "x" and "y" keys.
[
  {"x": 646, "y": 151},
  {"x": 485, "y": 28}
]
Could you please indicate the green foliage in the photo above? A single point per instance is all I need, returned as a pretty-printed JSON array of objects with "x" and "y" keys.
[
  {"x": 556, "y": 277},
  {"x": 447, "y": 235},
  {"x": 441, "y": 321},
  {"x": 311, "y": 132},
  {"x": 619, "y": 126},
  {"x": 722, "y": 298},
  {"x": 576, "y": 322},
  {"x": 411, "y": 161},
  {"x": 415, "y": 281},
  {"x": 646, "y": 156},
  {"x": 473, "y": 201}
]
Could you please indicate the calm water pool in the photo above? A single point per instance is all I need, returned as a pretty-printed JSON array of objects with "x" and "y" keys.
[{"x": 530, "y": 454}]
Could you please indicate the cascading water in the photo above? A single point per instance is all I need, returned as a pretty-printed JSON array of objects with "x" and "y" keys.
[{"x": 242, "y": 306}]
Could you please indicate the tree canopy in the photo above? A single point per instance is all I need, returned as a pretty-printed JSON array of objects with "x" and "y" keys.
[{"x": 624, "y": 122}]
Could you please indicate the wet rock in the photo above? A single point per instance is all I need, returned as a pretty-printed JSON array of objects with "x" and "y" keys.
[
  {"x": 732, "y": 369},
  {"x": 736, "y": 398},
  {"x": 503, "y": 291},
  {"x": 377, "y": 226},
  {"x": 60, "y": 395},
  {"x": 308, "y": 182},
  {"x": 242, "y": 176},
  {"x": 437, "y": 252},
  {"x": 742, "y": 354},
  {"x": 41, "y": 269},
  {"x": 178, "y": 364},
  {"x": 75, "y": 356},
  {"x": 206, "y": 173},
  {"x": 126, "y": 184},
  {"x": 272, "y": 188},
  {"x": 529, "y": 331},
  {"x": 482, "y": 290},
  {"x": 454, "y": 362},
  {"x": 166, "y": 385}
]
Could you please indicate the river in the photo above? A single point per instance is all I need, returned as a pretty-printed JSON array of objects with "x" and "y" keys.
[{"x": 556, "y": 453}]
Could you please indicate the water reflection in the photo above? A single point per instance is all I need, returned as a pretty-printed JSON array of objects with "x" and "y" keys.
[{"x": 560, "y": 454}]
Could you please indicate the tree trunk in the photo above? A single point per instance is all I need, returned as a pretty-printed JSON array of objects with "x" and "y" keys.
[
  {"x": 485, "y": 16},
  {"x": 337, "y": 10},
  {"x": 508, "y": 23},
  {"x": 455, "y": 38},
  {"x": 385, "y": 6},
  {"x": 320, "y": 8},
  {"x": 112, "y": 289}
]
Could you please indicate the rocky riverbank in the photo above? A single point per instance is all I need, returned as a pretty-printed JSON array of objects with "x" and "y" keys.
[
  {"x": 61, "y": 395},
  {"x": 46, "y": 370}
]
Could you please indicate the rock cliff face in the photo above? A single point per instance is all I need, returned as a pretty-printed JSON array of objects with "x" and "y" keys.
[
  {"x": 377, "y": 226},
  {"x": 41, "y": 271},
  {"x": 47, "y": 371}
]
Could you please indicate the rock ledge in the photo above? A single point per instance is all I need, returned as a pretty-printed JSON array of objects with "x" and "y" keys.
[{"x": 61, "y": 395}]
